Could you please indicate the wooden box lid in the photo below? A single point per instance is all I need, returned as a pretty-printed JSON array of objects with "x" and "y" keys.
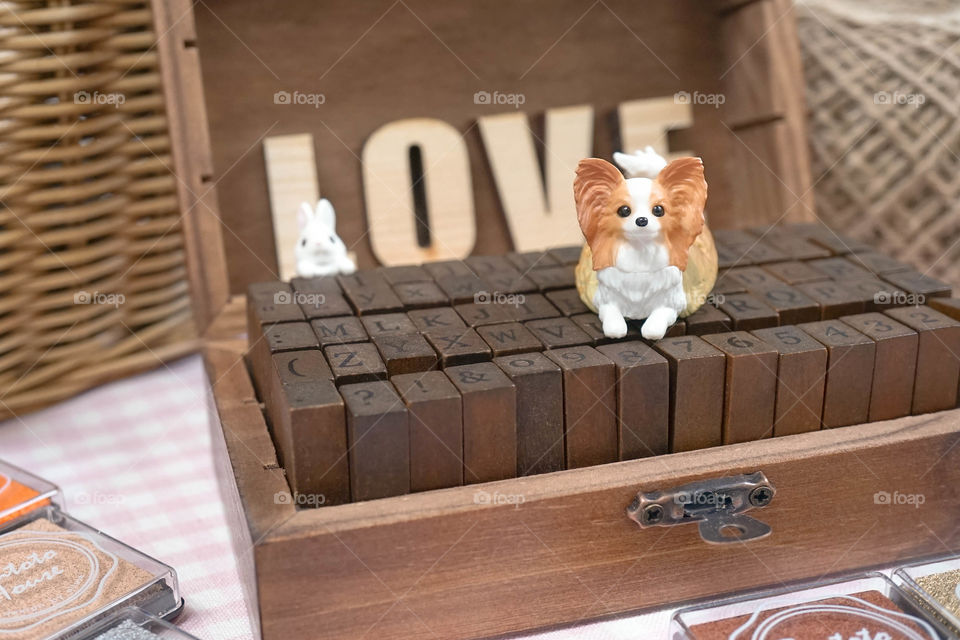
[{"x": 736, "y": 62}]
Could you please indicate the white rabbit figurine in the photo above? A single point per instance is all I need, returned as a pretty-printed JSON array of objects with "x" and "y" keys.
[{"x": 320, "y": 251}]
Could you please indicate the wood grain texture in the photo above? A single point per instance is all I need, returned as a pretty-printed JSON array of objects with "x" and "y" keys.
[
  {"x": 570, "y": 536},
  {"x": 689, "y": 56},
  {"x": 291, "y": 179}
]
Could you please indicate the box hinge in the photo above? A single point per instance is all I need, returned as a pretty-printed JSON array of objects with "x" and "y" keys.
[{"x": 718, "y": 505}]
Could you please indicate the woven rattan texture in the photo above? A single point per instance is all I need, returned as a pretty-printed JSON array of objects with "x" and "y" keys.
[
  {"x": 92, "y": 274},
  {"x": 882, "y": 84}
]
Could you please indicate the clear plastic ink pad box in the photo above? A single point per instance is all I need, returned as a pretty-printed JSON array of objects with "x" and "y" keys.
[
  {"x": 867, "y": 606},
  {"x": 59, "y": 577},
  {"x": 21, "y": 491},
  {"x": 135, "y": 624},
  {"x": 936, "y": 588}
]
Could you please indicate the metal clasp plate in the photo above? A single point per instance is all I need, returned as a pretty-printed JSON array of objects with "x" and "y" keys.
[{"x": 718, "y": 505}]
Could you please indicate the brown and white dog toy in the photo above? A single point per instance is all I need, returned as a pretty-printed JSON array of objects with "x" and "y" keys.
[{"x": 649, "y": 253}]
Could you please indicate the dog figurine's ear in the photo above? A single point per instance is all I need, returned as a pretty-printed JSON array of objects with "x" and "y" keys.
[
  {"x": 597, "y": 188},
  {"x": 685, "y": 193}
]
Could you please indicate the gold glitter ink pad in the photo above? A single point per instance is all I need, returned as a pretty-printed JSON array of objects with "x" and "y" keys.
[
  {"x": 936, "y": 588},
  {"x": 135, "y": 624},
  {"x": 59, "y": 576},
  {"x": 21, "y": 492},
  {"x": 867, "y": 607}
]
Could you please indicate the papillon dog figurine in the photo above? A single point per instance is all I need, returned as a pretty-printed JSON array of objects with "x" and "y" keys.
[
  {"x": 649, "y": 254},
  {"x": 320, "y": 251}
]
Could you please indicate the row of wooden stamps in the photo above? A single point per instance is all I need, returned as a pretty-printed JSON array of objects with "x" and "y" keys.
[{"x": 372, "y": 433}]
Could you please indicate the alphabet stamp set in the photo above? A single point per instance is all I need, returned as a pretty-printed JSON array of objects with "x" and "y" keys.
[{"x": 412, "y": 378}]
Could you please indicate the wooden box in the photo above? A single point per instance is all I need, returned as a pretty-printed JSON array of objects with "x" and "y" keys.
[{"x": 445, "y": 563}]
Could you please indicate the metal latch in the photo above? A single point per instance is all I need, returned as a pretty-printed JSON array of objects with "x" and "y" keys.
[{"x": 718, "y": 505}]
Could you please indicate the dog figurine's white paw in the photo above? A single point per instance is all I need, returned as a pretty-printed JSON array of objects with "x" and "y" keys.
[
  {"x": 320, "y": 251},
  {"x": 614, "y": 324},
  {"x": 645, "y": 163},
  {"x": 656, "y": 325}
]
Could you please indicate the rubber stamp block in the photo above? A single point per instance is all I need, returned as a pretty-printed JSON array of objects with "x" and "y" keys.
[
  {"x": 482, "y": 265},
  {"x": 437, "y": 319},
  {"x": 459, "y": 347},
  {"x": 405, "y": 274},
  {"x": 405, "y": 353},
  {"x": 895, "y": 366},
  {"x": 569, "y": 255},
  {"x": 373, "y": 299},
  {"x": 678, "y": 328},
  {"x": 794, "y": 272},
  {"x": 755, "y": 251},
  {"x": 708, "y": 319},
  {"x": 876, "y": 294},
  {"x": 489, "y": 421},
  {"x": 289, "y": 368},
  {"x": 356, "y": 362},
  {"x": 340, "y": 330},
  {"x": 839, "y": 268},
  {"x": 850, "y": 362},
  {"x": 378, "y": 439},
  {"x": 795, "y": 248},
  {"x": 835, "y": 300},
  {"x": 507, "y": 281},
  {"x": 592, "y": 326},
  {"x": 947, "y": 306},
  {"x": 270, "y": 303},
  {"x": 322, "y": 305},
  {"x": 790, "y": 304},
  {"x": 509, "y": 338},
  {"x": 420, "y": 295},
  {"x": 748, "y": 312},
  {"x": 436, "y": 429},
  {"x": 726, "y": 285},
  {"x": 919, "y": 284},
  {"x": 487, "y": 311},
  {"x": 557, "y": 332},
  {"x": 835, "y": 243},
  {"x": 643, "y": 399},
  {"x": 287, "y": 336},
  {"x": 589, "y": 405},
  {"x": 533, "y": 306},
  {"x": 550, "y": 278},
  {"x": 388, "y": 324},
  {"x": 801, "y": 379},
  {"x": 311, "y": 436},
  {"x": 448, "y": 269},
  {"x": 877, "y": 263},
  {"x": 938, "y": 363},
  {"x": 567, "y": 301},
  {"x": 320, "y": 284},
  {"x": 539, "y": 384},
  {"x": 463, "y": 288},
  {"x": 751, "y": 278},
  {"x": 750, "y": 386},
  {"x": 697, "y": 371},
  {"x": 728, "y": 257},
  {"x": 530, "y": 260}
]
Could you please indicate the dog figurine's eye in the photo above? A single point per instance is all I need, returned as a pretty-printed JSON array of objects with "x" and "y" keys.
[
  {"x": 623, "y": 211},
  {"x": 658, "y": 210}
]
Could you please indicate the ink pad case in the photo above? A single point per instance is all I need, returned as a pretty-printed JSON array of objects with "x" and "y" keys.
[
  {"x": 133, "y": 623},
  {"x": 935, "y": 585},
  {"x": 836, "y": 609},
  {"x": 21, "y": 491},
  {"x": 59, "y": 577}
]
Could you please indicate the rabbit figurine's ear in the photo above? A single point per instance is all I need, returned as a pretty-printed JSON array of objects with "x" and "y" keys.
[
  {"x": 304, "y": 214},
  {"x": 326, "y": 214}
]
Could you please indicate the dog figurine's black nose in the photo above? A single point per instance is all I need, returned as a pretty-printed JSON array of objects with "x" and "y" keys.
[{"x": 641, "y": 221}]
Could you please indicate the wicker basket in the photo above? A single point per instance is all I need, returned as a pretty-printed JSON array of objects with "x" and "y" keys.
[{"x": 92, "y": 276}]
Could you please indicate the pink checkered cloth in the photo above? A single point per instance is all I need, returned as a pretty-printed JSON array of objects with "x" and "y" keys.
[{"x": 133, "y": 459}]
